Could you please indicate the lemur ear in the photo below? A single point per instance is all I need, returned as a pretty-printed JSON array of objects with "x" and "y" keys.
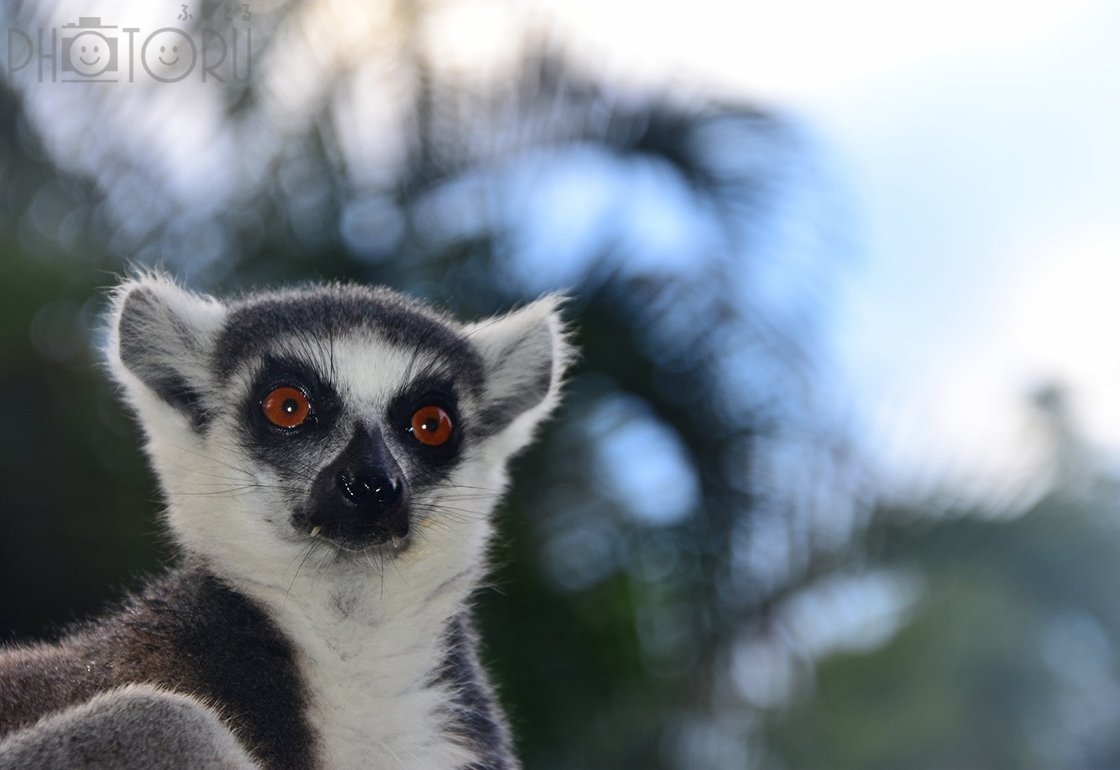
[
  {"x": 160, "y": 337},
  {"x": 526, "y": 353}
]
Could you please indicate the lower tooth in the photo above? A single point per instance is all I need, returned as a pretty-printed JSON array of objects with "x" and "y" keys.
[{"x": 315, "y": 531}]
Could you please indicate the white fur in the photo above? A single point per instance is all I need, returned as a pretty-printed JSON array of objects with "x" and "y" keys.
[
  {"x": 366, "y": 626},
  {"x": 200, "y": 316},
  {"x": 508, "y": 343}
]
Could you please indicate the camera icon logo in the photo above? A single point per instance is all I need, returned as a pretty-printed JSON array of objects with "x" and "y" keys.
[{"x": 89, "y": 51}]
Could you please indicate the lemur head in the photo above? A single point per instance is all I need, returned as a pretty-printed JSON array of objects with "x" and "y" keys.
[{"x": 341, "y": 417}]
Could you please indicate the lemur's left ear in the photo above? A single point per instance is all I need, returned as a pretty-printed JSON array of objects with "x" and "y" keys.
[
  {"x": 160, "y": 337},
  {"x": 526, "y": 354}
]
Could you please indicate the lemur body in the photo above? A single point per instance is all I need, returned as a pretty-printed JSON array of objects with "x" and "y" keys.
[{"x": 331, "y": 458}]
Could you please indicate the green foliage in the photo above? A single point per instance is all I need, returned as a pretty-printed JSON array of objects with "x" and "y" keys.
[
  {"x": 68, "y": 534},
  {"x": 981, "y": 675}
]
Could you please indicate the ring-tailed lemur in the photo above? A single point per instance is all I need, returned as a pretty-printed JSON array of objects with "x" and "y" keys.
[{"x": 330, "y": 458}]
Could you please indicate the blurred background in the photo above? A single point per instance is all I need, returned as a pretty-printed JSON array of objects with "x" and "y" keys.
[{"x": 835, "y": 483}]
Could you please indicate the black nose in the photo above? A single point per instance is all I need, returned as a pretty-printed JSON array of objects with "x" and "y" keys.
[
  {"x": 366, "y": 476},
  {"x": 360, "y": 497},
  {"x": 362, "y": 488}
]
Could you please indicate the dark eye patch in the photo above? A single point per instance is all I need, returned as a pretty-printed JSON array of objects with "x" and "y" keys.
[
  {"x": 420, "y": 393},
  {"x": 275, "y": 444}
]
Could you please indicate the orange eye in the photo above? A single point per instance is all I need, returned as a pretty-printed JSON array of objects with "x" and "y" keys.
[
  {"x": 286, "y": 407},
  {"x": 432, "y": 426}
]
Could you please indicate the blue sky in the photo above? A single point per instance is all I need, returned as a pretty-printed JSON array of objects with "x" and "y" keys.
[{"x": 980, "y": 145}]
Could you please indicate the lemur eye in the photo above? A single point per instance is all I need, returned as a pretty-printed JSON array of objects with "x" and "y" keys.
[
  {"x": 432, "y": 426},
  {"x": 286, "y": 407}
]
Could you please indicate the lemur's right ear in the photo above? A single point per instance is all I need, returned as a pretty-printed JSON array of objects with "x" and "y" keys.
[{"x": 160, "y": 338}]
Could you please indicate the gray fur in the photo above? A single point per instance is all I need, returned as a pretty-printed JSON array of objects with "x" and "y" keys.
[
  {"x": 138, "y": 727},
  {"x": 188, "y": 633},
  {"x": 321, "y": 311}
]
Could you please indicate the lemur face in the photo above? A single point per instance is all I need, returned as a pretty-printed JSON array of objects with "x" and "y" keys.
[
  {"x": 351, "y": 416},
  {"x": 337, "y": 415}
]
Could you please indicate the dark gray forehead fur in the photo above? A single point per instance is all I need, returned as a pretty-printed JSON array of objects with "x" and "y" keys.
[{"x": 255, "y": 324}]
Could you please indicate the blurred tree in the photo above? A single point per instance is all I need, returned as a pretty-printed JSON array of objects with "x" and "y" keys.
[
  {"x": 1010, "y": 657},
  {"x": 697, "y": 479}
]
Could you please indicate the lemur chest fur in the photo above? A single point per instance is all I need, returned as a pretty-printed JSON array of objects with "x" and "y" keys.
[
  {"x": 373, "y": 670},
  {"x": 380, "y": 705}
]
